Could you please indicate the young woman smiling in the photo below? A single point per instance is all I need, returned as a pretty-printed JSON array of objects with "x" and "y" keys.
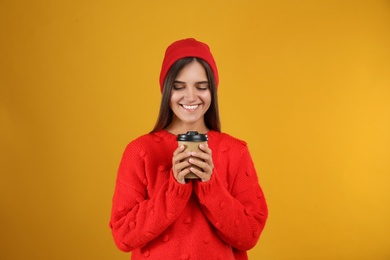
[{"x": 159, "y": 214}]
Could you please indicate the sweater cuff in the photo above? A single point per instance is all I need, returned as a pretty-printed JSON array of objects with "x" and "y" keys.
[
  {"x": 178, "y": 190},
  {"x": 210, "y": 190}
]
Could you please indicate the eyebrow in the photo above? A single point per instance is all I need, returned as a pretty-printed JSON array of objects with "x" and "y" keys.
[
  {"x": 199, "y": 82},
  {"x": 202, "y": 82}
]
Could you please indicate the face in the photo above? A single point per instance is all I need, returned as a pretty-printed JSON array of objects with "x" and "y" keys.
[{"x": 191, "y": 96}]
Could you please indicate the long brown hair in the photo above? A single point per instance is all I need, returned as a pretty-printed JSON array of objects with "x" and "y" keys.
[{"x": 211, "y": 116}]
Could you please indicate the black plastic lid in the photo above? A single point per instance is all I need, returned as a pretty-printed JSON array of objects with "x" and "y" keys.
[{"x": 192, "y": 136}]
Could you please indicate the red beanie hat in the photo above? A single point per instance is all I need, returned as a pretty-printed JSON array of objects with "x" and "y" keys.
[{"x": 187, "y": 48}]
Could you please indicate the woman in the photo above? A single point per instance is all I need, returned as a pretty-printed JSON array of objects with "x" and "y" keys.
[{"x": 159, "y": 214}]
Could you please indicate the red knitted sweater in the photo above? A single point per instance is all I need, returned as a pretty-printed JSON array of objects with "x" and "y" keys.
[{"x": 155, "y": 217}]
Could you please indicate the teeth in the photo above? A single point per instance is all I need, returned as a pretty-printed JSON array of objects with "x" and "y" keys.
[{"x": 190, "y": 107}]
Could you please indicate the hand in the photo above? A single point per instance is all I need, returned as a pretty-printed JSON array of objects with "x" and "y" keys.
[
  {"x": 180, "y": 165},
  {"x": 205, "y": 163}
]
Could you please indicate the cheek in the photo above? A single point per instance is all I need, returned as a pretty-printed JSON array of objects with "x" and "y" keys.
[
  {"x": 176, "y": 95},
  {"x": 173, "y": 100},
  {"x": 206, "y": 98}
]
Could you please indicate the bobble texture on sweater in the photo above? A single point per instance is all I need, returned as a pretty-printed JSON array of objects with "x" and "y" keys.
[{"x": 155, "y": 217}]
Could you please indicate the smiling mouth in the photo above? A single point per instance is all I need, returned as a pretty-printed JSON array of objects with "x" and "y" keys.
[{"x": 190, "y": 108}]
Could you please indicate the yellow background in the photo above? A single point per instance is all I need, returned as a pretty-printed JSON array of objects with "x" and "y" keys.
[{"x": 305, "y": 83}]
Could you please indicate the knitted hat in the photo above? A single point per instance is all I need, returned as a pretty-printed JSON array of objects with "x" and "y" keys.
[{"x": 187, "y": 48}]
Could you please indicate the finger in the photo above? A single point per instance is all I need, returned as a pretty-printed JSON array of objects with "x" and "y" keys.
[
  {"x": 199, "y": 163},
  {"x": 201, "y": 155},
  {"x": 202, "y": 166},
  {"x": 182, "y": 174},
  {"x": 180, "y": 177},
  {"x": 204, "y": 151},
  {"x": 180, "y": 157},
  {"x": 182, "y": 165},
  {"x": 179, "y": 150},
  {"x": 204, "y": 157},
  {"x": 205, "y": 177},
  {"x": 205, "y": 148}
]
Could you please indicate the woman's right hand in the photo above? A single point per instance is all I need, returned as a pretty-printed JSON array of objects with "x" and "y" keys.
[{"x": 180, "y": 164}]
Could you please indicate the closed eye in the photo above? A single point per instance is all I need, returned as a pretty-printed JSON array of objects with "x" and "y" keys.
[
  {"x": 204, "y": 85},
  {"x": 178, "y": 87}
]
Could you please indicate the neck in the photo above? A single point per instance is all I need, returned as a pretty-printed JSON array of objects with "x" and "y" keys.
[{"x": 182, "y": 128}]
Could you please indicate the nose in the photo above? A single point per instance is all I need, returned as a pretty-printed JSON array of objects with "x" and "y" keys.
[{"x": 190, "y": 94}]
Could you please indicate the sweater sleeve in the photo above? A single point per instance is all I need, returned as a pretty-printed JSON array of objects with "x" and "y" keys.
[
  {"x": 136, "y": 218},
  {"x": 240, "y": 213}
]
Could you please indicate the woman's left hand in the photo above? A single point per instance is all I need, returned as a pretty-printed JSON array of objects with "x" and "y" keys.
[{"x": 205, "y": 163}]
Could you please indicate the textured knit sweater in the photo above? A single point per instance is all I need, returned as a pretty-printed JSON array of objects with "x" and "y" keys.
[{"x": 156, "y": 217}]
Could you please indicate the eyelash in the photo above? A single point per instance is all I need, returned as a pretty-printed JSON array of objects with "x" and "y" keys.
[
  {"x": 177, "y": 88},
  {"x": 198, "y": 88}
]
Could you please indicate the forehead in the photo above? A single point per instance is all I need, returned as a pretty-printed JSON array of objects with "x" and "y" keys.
[{"x": 193, "y": 70}]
